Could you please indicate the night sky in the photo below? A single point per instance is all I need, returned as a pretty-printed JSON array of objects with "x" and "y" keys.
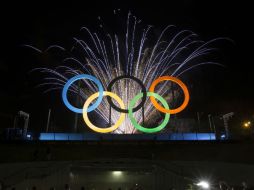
[{"x": 213, "y": 89}]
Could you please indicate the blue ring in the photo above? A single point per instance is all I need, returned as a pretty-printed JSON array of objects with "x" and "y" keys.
[{"x": 72, "y": 80}]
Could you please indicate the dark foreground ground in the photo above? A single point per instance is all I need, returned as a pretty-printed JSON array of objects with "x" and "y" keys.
[
  {"x": 151, "y": 164},
  {"x": 221, "y": 151}
]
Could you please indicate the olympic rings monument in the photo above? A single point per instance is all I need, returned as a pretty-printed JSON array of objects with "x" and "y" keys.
[
  {"x": 131, "y": 109},
  {"x": 144, "y": 132}
]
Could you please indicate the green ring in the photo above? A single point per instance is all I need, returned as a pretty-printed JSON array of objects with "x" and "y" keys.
[{"x": 141, "y": 128}]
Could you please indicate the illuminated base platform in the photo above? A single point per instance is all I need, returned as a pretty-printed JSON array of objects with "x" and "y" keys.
[{"x": 136, "y": 137}]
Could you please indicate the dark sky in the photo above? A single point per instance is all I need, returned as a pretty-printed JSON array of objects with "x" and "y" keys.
[{"x": 214, "y": 90}]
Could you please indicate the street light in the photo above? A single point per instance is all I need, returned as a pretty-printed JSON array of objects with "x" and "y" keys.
[
  {"x": 117, "y": 173},
  {"x": 203, "y": 185},
  {"x": 247, "y": 124}
]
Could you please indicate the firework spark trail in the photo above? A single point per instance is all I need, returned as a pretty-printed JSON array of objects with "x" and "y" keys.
[{"x": 104, "y": 59}]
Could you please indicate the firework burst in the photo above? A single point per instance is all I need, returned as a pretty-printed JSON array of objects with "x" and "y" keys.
[{"x": 110, "y": 56}]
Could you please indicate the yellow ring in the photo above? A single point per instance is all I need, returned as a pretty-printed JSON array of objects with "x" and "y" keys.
[
  {"x": 177, "y": 81},
  {"x": 98, "y": 129}
]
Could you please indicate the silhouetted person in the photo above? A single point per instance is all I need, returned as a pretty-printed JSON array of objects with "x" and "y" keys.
[
  {"x": 244, "y": 185},
  {"x": 66, "y": 187},
  {"x": 82, "y": 188},
  {"x": 48, "y": 154},
  {"x": 35, "y": 154},
  {"x": 223, "y": 185},
  {"x": 34, "y": 188},
  {"x": 52, "y": 188}
]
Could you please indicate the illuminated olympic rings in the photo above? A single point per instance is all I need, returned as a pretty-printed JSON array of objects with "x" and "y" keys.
[
  {"x": 98, "y": 129},
  {"x": 181, "y": 84},
  {"x": 72, "y": 80},
  {"x": 137, "y": 81},
  {"x": 143, "y": 95},
  {"x": 144, "y": 129}
]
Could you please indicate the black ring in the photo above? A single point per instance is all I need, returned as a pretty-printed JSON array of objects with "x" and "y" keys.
[{"x": 141, "y": 104}]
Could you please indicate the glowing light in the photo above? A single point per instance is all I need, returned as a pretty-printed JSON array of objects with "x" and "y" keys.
[
  {"x": 117, "y": 173},
  {"x": 144, "y": 129},
  {"x": 223, "y": 136},
  {"x": 181, "y": 84},
  {"x": 108, "y": 129},
  {"x": 247, "y": 124},
  {"x": 203, "y": 184}
]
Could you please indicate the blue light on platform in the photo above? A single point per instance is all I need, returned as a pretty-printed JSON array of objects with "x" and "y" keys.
[
  {"x": 47, "y": 136},
  {"x": 76, "y": 137},
  {"x": 98, "y": 137}
]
